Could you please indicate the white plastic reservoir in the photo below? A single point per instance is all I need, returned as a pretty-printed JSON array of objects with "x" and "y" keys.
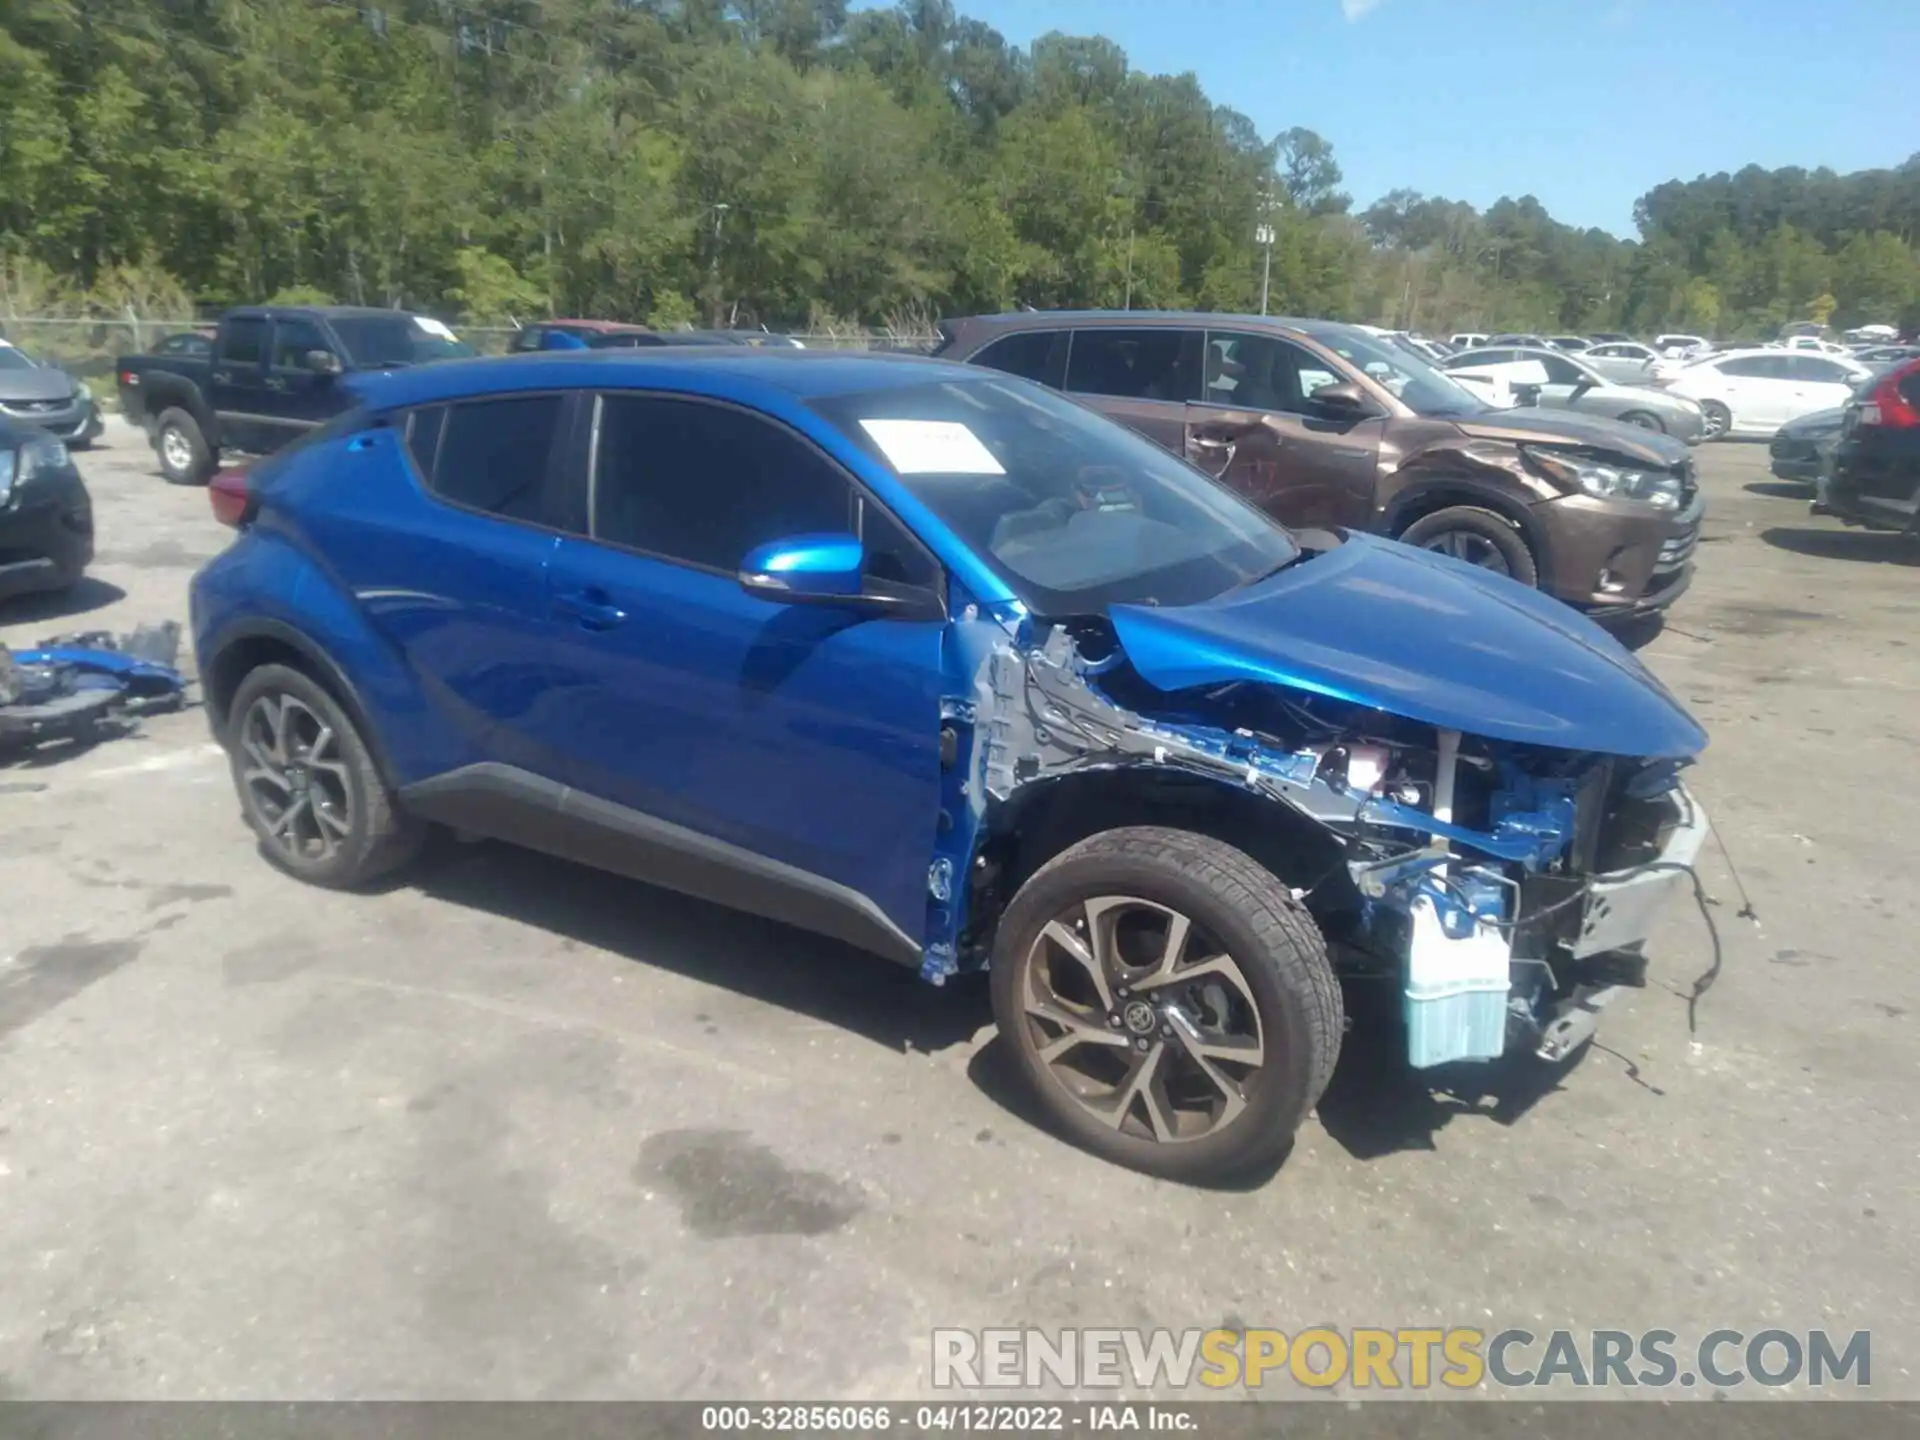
[{"x": 1457, "y": 986}]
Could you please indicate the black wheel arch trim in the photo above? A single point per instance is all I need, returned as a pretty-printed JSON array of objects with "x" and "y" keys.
[
  {"x": 527, "y": 809},
  {"x": 1486, "y": 496},
  {"x": 327, "y": 671}
]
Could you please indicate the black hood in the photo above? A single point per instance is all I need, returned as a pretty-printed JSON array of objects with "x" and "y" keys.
[{"x": 1643, "y": 447}]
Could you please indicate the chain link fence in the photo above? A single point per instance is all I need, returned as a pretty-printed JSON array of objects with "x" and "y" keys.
[{"x": 88, "y": 346}]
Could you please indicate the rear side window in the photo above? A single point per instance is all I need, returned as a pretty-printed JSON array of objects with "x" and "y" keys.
[
  {"x": 1032, "y": 355},
  {"x": 244, "y": 340},
  {"x": 1136, "y": 364},
  {"x": 1816, "y": 371},
  {"x": 527, "y": 339},
  {"x": 492, "y": 455},
  {"x": 1757, "y": 367}
]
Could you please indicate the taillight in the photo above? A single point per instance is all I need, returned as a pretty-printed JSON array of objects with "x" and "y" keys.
[
  {"x": 232, "y": 497},
  {"x": 1888, "y": 406},
  {"x": 129, "y": 377}
]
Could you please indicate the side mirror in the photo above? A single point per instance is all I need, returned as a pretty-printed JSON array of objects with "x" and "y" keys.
[
  {"x": 1342, "y": 398},
  {"x": 323, "y": 362},
  {"x": 805, "y": 569}
]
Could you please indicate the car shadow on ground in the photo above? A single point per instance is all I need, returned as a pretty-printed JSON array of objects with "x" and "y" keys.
[
  {"x": 1638, "y": 631},
  {"x": 1873, "y": 547},
  {"x": 1377, "y": 1104},
  {"x": 758, "y": 959},
  {"x": 82, "y": 597},
  {"x": 1780, "y": 489}
]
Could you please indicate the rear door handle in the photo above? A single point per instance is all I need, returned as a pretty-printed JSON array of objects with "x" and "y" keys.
[
  {"x": 590, "y": 609},
  {"x": 223, "y": 377},
  {"x": 274, "y": 382},
  {"x": 1208, "y": 442}
]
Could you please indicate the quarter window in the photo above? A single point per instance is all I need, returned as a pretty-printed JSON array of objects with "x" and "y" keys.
[{"x": 1757, "y": 367}]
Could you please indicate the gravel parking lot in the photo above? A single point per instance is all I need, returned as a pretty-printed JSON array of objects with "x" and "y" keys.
[{"x": 519, "y": 1129}]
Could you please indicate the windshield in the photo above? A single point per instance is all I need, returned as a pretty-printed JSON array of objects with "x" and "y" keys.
[
  {"x": 376, "y": 342},
  {"x": 1404, "y": 371},
  {"x": 1074, "y": 512},
  {"x": 12, "y": 359}
]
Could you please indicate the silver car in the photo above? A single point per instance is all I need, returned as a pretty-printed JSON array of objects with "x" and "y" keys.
[
  {"x": 1573, "y": 384},
  {"x": 1627, "y": 361}
]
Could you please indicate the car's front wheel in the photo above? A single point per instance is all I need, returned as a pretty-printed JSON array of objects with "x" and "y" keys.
[
  {"x": 1719, "y": 419},
  {"x": 308, "y": 785},
  {"x": 1477, "y": 536},
  {"x": 1168, "y": 1003}
]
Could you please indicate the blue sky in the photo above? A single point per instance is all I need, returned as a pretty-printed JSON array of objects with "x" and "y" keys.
[{"x": 1586, "y": 104}]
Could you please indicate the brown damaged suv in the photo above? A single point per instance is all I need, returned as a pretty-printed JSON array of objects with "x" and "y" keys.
[{"x": 1326, "y": 425}]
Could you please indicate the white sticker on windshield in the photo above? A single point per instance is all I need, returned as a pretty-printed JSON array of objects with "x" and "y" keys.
[
  {"x": 433, "y": 327},
  {"x": 932, "y": 447}
]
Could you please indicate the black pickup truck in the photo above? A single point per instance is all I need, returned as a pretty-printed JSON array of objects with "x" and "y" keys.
[{"x": 272, "y": 375}]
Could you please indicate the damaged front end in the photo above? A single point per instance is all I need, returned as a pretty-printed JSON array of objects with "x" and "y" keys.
[{"x": 1504, "y": 881}]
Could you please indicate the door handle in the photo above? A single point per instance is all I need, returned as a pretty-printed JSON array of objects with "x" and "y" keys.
[
  {"x": 590, "y": 609},
  {"x": 274, "y": 382},
  {"x": 359, "y": 443},
  {"x": 223, "y": 377},
  {"x": 1208, "y": 442}
]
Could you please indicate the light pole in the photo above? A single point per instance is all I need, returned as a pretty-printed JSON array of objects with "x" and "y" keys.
[
  {"x": 719, "y": 214},
  {"x": 1263, "y": 236}
]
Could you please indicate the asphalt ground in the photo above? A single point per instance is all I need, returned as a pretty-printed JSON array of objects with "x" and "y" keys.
[{"x": 519, "y": 1129}]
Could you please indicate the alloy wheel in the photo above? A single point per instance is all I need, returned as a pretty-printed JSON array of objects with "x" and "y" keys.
[
  {"x": 175, "y": 450},
  {"x": 294, "y": 777},
  {"x": 1473, "y": 548},
  {"x": 1143, "y": 1019}
]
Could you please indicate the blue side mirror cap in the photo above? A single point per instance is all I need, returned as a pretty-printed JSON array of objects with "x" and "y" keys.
[{"x": 805, "y": 567}]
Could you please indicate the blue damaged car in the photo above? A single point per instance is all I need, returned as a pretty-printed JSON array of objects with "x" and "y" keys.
[{"x": 939, "y": 663}]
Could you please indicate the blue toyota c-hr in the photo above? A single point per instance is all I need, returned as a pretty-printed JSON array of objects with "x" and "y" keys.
[{"x": 935, "y": 661}]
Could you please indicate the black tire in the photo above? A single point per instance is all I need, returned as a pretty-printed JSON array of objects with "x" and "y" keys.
[
  {"x": 1644, "y": 421},
  {"x": 1267, "y": 935},
  {"x": 1473, "y": 529},
  {"x": 1719, "y": 419},
  {"x": 192, "y": 459},
  {"x": 377, "y": 837}
]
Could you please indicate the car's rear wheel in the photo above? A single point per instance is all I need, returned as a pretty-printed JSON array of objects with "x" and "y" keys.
[
  {"x": 1479, "y": 537},
  {"x": 308, "y": 785},
  {"x": 1719, "y": 419},
  {"x": 1168, "y": 1003},
  {"x": 185, "y": 456},
  {"x": 1643, "y": 420}
]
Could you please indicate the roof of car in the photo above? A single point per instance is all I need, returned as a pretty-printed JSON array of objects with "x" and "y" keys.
[
  {"x": 1040, "y": 319},
  {"x": 325, "y": 312},
  {"x": 599, "y": 327},
  {"x": 733, "y": 371}
]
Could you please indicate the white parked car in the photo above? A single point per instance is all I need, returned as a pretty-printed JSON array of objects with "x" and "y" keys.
[
  {"x": 1627, "y": 361},
  {"x": 1813, "y": 343},
  {"x": 1682, "y": 346},
  {"x": 1755, "y": 392},
  {"x": 1467, "y": 340}
]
